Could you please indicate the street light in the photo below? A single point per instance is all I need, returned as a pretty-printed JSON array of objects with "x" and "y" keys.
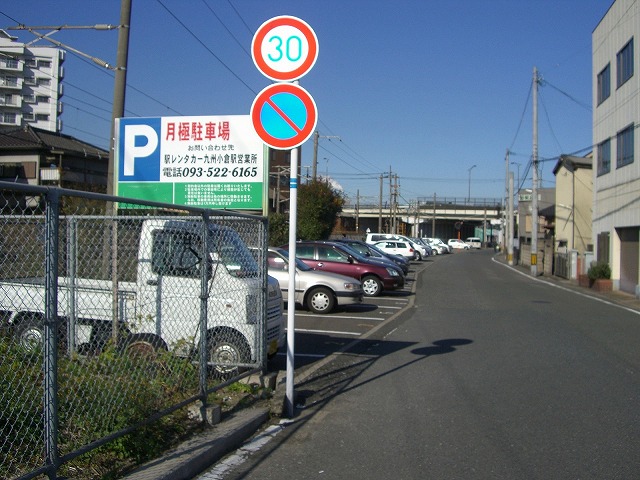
[{"x": 469, "y": 194}]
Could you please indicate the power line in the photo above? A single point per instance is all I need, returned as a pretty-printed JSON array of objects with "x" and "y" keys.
[
  {"x": 227, "y": 29},
  {"x": 206, "y": 47}
]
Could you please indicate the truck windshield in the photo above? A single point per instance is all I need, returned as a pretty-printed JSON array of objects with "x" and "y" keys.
[{"x": 227, "y": 245}]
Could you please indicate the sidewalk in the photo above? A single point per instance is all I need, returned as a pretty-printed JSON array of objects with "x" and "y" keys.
[{"x": 616, "y": 297}]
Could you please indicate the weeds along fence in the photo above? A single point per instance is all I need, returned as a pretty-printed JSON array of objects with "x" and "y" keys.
[{"x": 102, "y": 318}]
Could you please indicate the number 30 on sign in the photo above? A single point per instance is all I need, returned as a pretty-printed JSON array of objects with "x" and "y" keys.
[{"x": 284, "y": 48}]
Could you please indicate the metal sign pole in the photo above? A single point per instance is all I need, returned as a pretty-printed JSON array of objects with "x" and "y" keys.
[{"x": 293, "y": 215}]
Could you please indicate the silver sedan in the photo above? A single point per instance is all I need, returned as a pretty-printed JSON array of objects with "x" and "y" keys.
[{"x": 320, "y": 292}]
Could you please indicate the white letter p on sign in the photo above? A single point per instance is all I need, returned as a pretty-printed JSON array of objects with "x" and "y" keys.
[{"x": 131, "y": 151}]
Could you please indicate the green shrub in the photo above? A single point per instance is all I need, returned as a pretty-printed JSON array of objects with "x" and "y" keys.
[
  {"x": 599, "y": 270},
  {"x": 97, "y": 396}
]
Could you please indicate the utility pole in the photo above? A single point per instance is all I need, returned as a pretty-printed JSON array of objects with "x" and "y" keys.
[
  {"x": 120, "y": 84},
  {"x": 534, "y": 198},
  {"x": 433, "y": 219},
  {"x": 509, "y": 240},
  {"x": 316, "y": 138},
  {"x": 507, "y": 198},
  {"x": 380, "y": 206},
  {"x": 357, "y": 210}
]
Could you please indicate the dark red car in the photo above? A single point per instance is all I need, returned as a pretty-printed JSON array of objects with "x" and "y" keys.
[{"x": 334, "y": 257}]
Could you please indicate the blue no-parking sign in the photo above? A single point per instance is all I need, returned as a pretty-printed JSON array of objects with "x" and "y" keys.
[{"x": 284, "y": 115}]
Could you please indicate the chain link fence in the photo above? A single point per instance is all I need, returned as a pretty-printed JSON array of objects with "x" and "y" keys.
[{"x": 110, "y": 324}]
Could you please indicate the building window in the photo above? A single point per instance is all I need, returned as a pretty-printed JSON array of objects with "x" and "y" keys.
[
  {"x": 625, "y": 147},
  {"x": 8, "y": 118},
  {"x": 30, "y": 62},
  {"x": 29, "y": 80},
  {"x": 44, "y": 81},
  {"x": 9, "y": 63},
  {"x": 625, "y": 63},
  {"x": 604, "y": 157},
  {"x": 42, "y": 99},
  {"x": 604, "y": 84},
  {"x": 29, "y": 98},
  {"x": 6, "y": 99},
  {"x": 44, "y": 63},
  {"x": 28, "y": 117},
  {"x": 8, "y": 81},
  {"x": 42, "y": 117}
]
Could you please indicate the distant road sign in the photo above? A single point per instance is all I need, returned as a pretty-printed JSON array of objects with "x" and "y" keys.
[
  {"x": 284, "y": 48},
  {"x": 284, "y": 115}
]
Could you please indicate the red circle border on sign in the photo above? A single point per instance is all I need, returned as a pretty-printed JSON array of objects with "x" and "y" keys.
[
  {"x": 304, "y": 133},
  {"x": 269, "y": 25}
]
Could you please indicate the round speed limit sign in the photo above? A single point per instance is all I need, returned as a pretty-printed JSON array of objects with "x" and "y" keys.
[{"x": 284, "y": 48}]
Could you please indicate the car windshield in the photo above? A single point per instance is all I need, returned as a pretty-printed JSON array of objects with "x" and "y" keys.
[
  {"x": 299, "y": 263},
  {"x": 377, "y": 250},
  {"x": 357, "y": 255}
]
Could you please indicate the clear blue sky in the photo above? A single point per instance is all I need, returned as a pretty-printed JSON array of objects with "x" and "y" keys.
[{"x": 424, "y": 88}]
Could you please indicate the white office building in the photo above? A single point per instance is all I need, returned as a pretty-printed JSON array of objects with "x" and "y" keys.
[
  {"x": 616, "y": 115},
  {"x": 30, "y": 88}
]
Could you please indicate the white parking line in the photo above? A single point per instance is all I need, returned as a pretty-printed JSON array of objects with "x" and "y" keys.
[
  {"x": 304, "y": 330},
  {"x": 350, "y": 317}
]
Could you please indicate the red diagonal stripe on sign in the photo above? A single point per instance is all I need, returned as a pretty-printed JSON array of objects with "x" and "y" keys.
[{"x": 283, "y": 115}]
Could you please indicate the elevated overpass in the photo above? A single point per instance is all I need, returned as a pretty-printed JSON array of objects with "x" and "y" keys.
[{"x": 440, "y": 217}]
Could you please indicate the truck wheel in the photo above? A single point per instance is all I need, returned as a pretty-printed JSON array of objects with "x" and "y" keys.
[
  {"x": 226, "y": 351},
  {"x": 29, "y": 333},
  {"x": 143, "y": 345},
  {"x": 371, "y": 285},
  {"x": 320, "y": 300}
]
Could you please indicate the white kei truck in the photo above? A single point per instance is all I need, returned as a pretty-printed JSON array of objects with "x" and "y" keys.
[{"x": 163, "y": 307}]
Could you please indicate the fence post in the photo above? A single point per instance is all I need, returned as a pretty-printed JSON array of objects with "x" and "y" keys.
[
  {"x": 50, "y": 366},
  {"x": 204, "y": 305}
]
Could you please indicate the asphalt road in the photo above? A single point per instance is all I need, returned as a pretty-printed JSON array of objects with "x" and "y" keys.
[{"x": 491, "y": 375}]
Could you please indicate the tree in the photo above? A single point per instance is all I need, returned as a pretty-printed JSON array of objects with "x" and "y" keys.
[
  {"x": 318, "y": 207},
  {"x": 278, "y": 229}
]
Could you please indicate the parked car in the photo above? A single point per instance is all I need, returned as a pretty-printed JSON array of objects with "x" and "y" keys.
[
  {"x": 397, "y": 248},
  {"x": 421, "y": 252},
  {"x": 457, "y": 244},
  {"x": 318, "y": 291},
  {"x": 338, "y": 258},
  {"x": 473, "y": 242},
  {"x": 368, "y": 250},
  {"x": 438, "y": 244},
  {"x": 425, "y": 245}
]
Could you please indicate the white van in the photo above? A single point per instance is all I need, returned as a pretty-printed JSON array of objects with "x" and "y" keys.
[{"x": 474, "y": 242}]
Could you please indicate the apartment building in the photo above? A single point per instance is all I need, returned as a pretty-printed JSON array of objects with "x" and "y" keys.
[
  {"x": 616, "y": 115},
  {"x": 30, "y": 88}
]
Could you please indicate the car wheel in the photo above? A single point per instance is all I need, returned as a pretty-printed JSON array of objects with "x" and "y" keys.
[
  {"x": 320, "y": 300},
  {"x": 418, "y": 256},
  {"x": 226, "y": 350},
  {"x": 372, "y": 286},
  {"x": 143, "y": 346},
  {"x": 29, "y": 333}
]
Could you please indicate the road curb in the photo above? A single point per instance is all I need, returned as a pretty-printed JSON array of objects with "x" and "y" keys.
[{"x": 200, "y": 452}]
